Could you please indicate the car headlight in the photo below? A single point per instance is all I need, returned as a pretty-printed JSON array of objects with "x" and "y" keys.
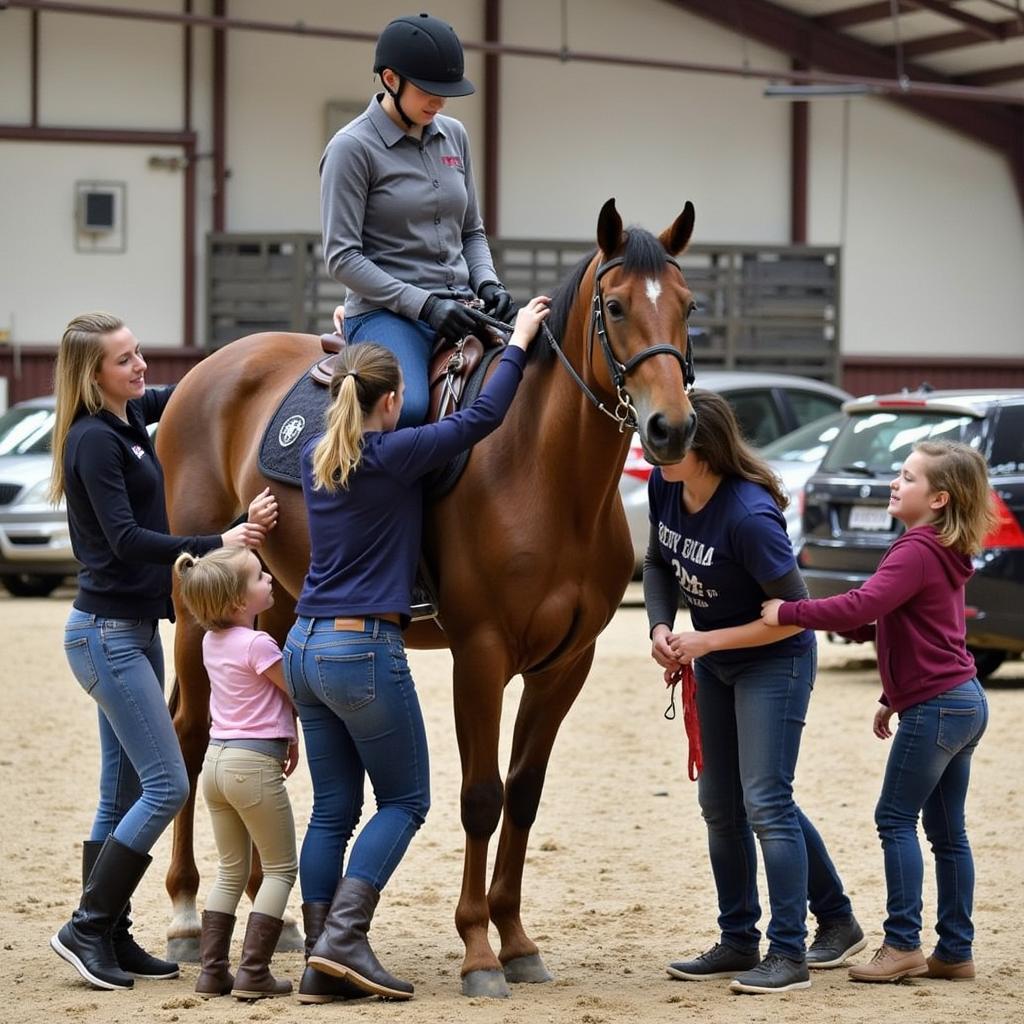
[{"x": 38, "y": 494}]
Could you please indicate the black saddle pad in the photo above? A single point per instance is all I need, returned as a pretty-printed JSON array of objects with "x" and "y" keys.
[{"x": 300, "y": 416}]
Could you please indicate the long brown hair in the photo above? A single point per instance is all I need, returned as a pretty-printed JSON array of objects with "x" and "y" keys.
[
  {"x": 719, "y": 443},
  {"x": 363, "y": 373},
  {"x": 78, "y": 359},
  {"x": 962, "y": 473}
]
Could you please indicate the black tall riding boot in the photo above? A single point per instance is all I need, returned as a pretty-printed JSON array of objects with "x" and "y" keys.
[
  {"x": 131, "y": 957},
  {"x": 343, "y": 948},
  {"x": 315, "y": 986},
  {"x": 86, "y": 940}
]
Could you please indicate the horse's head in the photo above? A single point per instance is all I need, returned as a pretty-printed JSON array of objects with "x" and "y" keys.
[{"x": 639, "y": 314}]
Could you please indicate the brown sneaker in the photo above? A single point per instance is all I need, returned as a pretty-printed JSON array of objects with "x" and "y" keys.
[
  {"x": 963, "y": 970},
  {"x": 890, "y": 964}
]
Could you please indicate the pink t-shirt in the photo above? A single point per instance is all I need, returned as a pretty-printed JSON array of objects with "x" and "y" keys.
[{"x": 244, "y": 704}]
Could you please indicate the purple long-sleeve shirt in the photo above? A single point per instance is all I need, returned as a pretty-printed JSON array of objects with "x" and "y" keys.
[{"x": 916, "y": 601}]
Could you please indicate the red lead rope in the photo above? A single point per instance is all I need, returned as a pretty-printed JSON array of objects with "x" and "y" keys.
[{"x": 695, "y": 754}]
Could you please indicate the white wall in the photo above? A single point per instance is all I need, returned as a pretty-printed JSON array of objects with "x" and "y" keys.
[{"x": 934, "y": 245}]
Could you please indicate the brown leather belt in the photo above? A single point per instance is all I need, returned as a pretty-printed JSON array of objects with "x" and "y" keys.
[{"x": 348, "y": 625}]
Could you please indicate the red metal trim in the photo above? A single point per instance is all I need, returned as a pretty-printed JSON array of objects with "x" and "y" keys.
[
  {"x": 862, "y": 15},
  {"x": 798, "y": 168},
  {"x": 1008, "y": 29},
  {"x": 220, "y": 106},
  {"x": 492, "y": 117},
  {"x": 981, "y": 27},
  {"x": 993, "y": 76},
  {"x": 117, "y": 136},
  {"x": 188, "y": 284},
  {"x": 186, "y": 85}
]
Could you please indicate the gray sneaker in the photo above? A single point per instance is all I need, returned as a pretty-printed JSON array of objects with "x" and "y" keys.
[
  {"x": 834, "y": 941},
  {"x": 720, "y": 961},
  {"x": 775, "y": 973}
]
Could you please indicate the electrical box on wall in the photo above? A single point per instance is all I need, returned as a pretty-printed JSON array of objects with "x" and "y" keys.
[{"x": 99, "y": 216}]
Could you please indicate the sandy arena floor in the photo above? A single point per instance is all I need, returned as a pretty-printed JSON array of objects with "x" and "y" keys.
[{"x": 617, "y": 879}]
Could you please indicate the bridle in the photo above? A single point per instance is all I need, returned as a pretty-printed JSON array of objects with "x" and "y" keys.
[{"x": 624, "y": 413}]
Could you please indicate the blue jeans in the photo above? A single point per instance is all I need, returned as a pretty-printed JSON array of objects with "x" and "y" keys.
[
  {"x": 360, "y": 716},
  {"x": 412, "y": 341},
  {"x": 928, "y": 770},
  {"x": 751, "y": 720},
  {"x": 143, "y": 783}
]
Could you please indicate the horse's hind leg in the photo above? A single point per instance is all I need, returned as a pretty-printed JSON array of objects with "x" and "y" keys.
[
  {"x": 190, "y": 709},
  {"x": 546, "y": 699}
]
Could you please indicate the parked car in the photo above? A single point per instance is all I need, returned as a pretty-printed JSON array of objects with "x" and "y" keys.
[
  {"x": 35, "y": 548},
  {"x": 847, "y": 526},
  {"x": 767, "y": 407}
]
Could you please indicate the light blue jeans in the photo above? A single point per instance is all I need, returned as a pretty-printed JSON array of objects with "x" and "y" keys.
[
  {"x": 751, "y": 721},
  {"x": 928, "y": 770},
  {"x": 412, "y": 341},
  {"x": 360, "y": 717},
  {"x": 143, "y": 782}
]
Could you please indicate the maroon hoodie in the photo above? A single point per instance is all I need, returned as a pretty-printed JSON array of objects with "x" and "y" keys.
[{"x": 916, "y": 600}]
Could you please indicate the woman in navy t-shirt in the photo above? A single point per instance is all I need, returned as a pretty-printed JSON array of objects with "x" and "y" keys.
[{"x": 718, "y": 536}]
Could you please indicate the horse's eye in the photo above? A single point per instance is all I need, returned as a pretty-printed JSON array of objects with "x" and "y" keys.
[{"x": 614, "y": 308}]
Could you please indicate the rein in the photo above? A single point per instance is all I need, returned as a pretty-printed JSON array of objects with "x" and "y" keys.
[
  {"x": 624, "y": 414},
  {"x": 691, "y": 722}
]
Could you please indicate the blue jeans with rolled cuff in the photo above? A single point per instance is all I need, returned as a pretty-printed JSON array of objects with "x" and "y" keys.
[
  {"x": 927, "y": 774},
  {"x": 143, "y": 782},
  {"x": 360, "y": 717},
  {"x": 751, "y": 720},
  {"x": 412, "y": 341}
]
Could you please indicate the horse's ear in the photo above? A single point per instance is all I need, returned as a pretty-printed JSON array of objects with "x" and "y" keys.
[
  {"x": 677, "y": 237},
  {"x": 609, "y": 228}
]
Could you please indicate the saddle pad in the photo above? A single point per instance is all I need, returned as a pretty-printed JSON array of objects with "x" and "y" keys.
[{"x": 299, "y": 417}]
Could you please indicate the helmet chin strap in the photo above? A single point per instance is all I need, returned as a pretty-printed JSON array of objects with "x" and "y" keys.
[{"x": 396, "y": 96}]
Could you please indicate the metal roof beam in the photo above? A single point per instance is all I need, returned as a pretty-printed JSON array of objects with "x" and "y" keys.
[
  {"x": 980, "y": 27},
  {"x": 1009, "y": 29},
  {"x": 992, "y": 76},
  {"x": 861, "y": 15}
]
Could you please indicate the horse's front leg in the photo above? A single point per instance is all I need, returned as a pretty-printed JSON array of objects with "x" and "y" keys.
[
  {"x": 478, "y": 693},
  {"x": 190, "y": 708},
  {"x": 546, "y": 699}
]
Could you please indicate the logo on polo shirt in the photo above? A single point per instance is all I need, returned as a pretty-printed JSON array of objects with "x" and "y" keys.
[
  {"x": 138, "y": 451},
  {"x": 452, "y": 161}
]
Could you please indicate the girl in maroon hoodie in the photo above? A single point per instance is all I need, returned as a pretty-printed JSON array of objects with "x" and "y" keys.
[{"x": 913, "y": 608}]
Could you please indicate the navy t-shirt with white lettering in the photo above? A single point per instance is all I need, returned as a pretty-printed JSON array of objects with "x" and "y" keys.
[{"x": 721, "y": 554}]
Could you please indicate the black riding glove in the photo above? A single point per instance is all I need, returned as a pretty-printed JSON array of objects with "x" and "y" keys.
[
  {"x": 498, "y": 302},
  {"x": 452, "y": 319}
]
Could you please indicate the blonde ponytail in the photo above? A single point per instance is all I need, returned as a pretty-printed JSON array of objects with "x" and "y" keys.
[{"x": 364, "y": 373}]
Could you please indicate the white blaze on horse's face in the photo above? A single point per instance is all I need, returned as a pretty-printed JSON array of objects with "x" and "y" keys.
[{"x": 653, "y": 289}]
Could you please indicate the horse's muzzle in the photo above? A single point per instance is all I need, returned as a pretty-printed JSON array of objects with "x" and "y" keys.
[{"x": 665, "y": 441}]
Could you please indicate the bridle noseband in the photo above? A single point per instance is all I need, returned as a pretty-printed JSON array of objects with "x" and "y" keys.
[{"x": 624, "y": 414}]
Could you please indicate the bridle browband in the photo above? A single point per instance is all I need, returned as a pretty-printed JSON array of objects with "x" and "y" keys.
[{"x": 624, "y": 414}]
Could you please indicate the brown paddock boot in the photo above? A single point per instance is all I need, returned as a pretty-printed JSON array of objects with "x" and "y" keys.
[
  {"x": 962, "y": 970},
  {"x": 343, "y": 948},
  {"x": 215, "y": 977},
  {"x": 890, "y": 964},
  {"x": 315, "y": 986},
  {"x": 254, "y": 980}
]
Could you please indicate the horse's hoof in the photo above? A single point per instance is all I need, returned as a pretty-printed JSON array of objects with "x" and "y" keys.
[
  {"x": 490, "y": 984},
  {"x": 291, "y": 940},
  {"x": 527, "y": 970},
  {"x": 184, "y": 950}
]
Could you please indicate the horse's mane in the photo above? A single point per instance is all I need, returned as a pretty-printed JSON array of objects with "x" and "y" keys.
[{"x": 643, "y": 253}]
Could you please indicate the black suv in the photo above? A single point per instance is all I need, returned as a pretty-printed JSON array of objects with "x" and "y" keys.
[{"x": 847, "y": 526}]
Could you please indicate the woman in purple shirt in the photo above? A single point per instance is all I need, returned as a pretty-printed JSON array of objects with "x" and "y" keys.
[{"x": 344, "y": 659}]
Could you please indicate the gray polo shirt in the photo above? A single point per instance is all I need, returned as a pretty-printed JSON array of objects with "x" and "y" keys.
[{"x": 400, "y": 216}]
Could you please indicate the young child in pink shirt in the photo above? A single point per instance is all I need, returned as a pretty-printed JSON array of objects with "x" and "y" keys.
[{"x": 253, "y": 748}]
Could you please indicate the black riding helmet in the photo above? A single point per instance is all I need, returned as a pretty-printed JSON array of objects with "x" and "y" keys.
[{"x": 425, "y": 51}]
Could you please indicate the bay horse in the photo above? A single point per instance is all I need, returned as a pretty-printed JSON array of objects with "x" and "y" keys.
[{"x": 616, "y": 358}]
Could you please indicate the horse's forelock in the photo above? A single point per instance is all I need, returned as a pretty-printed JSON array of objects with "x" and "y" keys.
[{"x": 643, "y": 254}]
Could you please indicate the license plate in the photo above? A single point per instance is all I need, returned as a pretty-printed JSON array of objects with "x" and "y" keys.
[{"x": 868, "y": 517}]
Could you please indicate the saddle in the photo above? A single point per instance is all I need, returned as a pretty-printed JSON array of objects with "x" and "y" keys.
[{"x": 456, "y": 375}]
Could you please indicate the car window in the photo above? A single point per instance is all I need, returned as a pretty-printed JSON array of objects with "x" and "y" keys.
[
  {"x": 880, "y": 441},
  {"x": 809, "y": 406},
  {"x": 1007, "y": 457},
  {"x": 805, "y": 444},
  {"x": 25, "y": 430},
  {"x": 757, "y": 415}
]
